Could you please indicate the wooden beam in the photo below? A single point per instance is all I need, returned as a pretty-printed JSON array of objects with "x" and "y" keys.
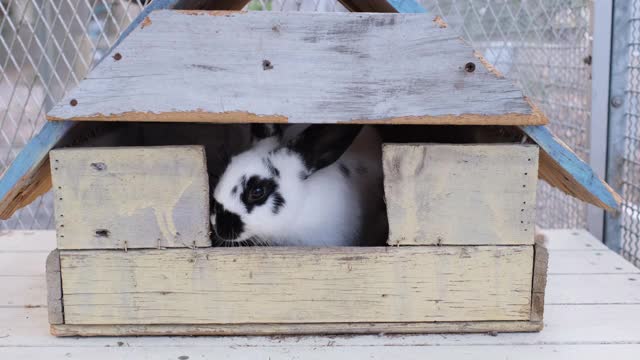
[
  {"x": 131, "y": 197},
  {"x": 540, "y": 265},
  {"x": 562, "y": 168},
  {"x": 54, "y": 289},
  {"x": 297, "y": 329},
  {"x": 297, "y": 285},
  {"x": 443, "y": 194}
]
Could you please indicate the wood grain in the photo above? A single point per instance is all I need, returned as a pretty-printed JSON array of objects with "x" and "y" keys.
[
  {"x": 540, "y": 265},
  {"x": 460, "y": 194},
  {"x": 297, "y": 329},
  {"x": 54, "y": 289},
  {"x": 131, "y": 197},
  {"x": 345, "y": 68},
  {"x": 28, "y": 176},
  {"x": 563, "y": 169},
  {"x": 294, "y": 285}
]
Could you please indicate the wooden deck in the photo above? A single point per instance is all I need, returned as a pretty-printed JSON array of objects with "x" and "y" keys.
[{"x": 592, "y": 312}]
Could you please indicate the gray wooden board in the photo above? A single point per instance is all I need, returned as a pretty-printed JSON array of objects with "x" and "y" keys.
[
  {"x": 298, "y": 329},
  {"x": 297, "y": 285},
  {"x": 571, "y": 331},
  {"x": 131, "y": 197},
  {"x": 460, "y": 194},
  {"x": 295, "y": 67},
  {"x": 54, "y": 288},
  {"x": 564, "y": 324}
]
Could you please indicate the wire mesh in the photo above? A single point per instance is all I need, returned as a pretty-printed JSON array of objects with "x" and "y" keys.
[
  {"x": 545, "y": 46},
  {"x": 47, "y": 46},
  {"x": 630, "y": 215}
]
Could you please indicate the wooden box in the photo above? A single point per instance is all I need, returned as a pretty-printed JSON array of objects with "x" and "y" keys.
[
  {"x": 133, "y": 253},
  {"x": 132, "y": 260}
]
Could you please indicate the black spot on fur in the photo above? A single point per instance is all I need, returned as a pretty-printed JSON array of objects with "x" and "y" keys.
[
  {"x": 272, "y": 169},
  {"x": 234, "y": 190},
  {"x": 344, "y": 170},
  {"x": 278, "y": 202},
  {"x": 269, "y": 186},
  {"x": 229, "y": 226}
]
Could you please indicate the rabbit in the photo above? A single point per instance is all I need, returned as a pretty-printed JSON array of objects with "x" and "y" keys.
[{"x": 314, "y": 185}]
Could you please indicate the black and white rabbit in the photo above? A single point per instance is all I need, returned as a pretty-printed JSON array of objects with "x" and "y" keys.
[{"x": 313, "y": 185}]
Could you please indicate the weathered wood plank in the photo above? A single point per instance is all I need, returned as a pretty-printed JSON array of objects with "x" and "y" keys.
[
  {"x": 589, "y": 262},
  {"x": 345, "y": 68},
  {"x": 571, "y": 240},
  {"x": 540, "y": 265},
  {"x": 289, "y": 348},
  {"x": 562, "y": 168},
  {"x": 12, "y": 241},
  {"x": 460, "y": 194},
  {"x": 564, "y": 324},
  {"x": 54, "y": 289},
  {"x": 293, "y": 285},
  {"x": 131, "y": 197},
  {"x": 23, "y": 264},
  {"x": 23, "y": 291},
  {"x": 27, "y": 177},
  {"x": 593, "y": 289},
  {"x": 296, "y": 329}
]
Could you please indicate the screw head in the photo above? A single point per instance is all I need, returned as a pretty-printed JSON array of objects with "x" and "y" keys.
[
  {"x": 616, "y": 101},
  {"x": 117, "y": 56},
  {"x": 73, "y": 102},
  {"x": 470, "y": 67}
]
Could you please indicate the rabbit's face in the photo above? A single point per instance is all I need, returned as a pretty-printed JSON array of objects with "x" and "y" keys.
[
  {"x": 257, "y": 193},
  {"x": 262, "y": 190}
]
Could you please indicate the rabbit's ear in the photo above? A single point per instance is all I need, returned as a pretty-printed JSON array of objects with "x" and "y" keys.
[
  {"x": 263, "y": 131},
  {"x": 320, "y": 145}
]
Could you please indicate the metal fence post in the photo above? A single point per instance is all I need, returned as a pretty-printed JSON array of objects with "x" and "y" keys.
[
  {"x": 602, "y": 15},
  {"x": 617, "y": 96}
]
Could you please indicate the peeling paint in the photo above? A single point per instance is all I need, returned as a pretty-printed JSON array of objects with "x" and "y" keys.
[
  {"x": 196, "y": 116},
  {"x": 146, "y": 22},
  {"x": 440, "y": 22}
]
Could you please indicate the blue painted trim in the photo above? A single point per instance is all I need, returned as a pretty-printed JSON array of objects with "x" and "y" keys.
[
  {"x": 566, "y": 158},
  {"x": 407, "y": 6},
  {"x": 33, "y": 153}
]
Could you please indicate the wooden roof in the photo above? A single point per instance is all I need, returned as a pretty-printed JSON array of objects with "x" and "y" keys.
[
  {"x": 367, "y": 68},
  {"x": 203, "y": 66}
]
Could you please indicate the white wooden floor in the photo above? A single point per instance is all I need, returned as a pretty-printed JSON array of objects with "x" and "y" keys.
[{"x": 592, "y": 312}]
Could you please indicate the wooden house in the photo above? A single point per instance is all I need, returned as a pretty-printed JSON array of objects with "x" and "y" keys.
[{"x": 134, "y": 256}]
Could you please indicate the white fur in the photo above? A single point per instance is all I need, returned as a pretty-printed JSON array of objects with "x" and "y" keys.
[{"x": 326, "y": 209}]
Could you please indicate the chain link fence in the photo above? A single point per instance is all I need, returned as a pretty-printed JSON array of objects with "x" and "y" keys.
[
  {"x": 545, "y": 46},
  {"x": 630, "y": 215},
  {"x": 47, "y": 46}
]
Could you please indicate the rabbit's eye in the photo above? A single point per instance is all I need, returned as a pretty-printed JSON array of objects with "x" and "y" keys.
[{"x": 257, "y": 193}]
